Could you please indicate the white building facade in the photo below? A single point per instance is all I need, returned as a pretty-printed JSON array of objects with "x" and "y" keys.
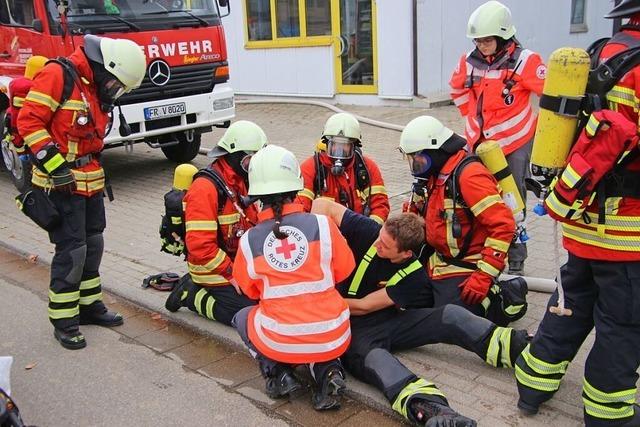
[{"x": 381, "y": 51}]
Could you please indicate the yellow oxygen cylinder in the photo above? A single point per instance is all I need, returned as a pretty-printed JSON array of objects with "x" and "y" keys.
[
  {"x": 566, "y": 81},
  {"x": 183, "y": 176},
  {"x": 493, "y": 158}
]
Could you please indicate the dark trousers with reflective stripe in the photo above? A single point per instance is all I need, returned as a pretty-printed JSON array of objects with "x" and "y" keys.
[
  {"x": 75, "y": 281},
  {"x": 404, "y": 330},
  {"x": 219, "y": 303},
  {"x": 604, "y": 295}
]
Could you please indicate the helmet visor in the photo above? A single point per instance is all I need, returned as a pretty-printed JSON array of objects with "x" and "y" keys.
[
  {"x": 340, "y": 147},
  {"x": 419, "y": 163},
  {"x": 114, "y": 89}
]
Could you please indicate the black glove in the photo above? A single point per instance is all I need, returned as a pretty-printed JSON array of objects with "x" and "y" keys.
[{"x": 63, "y": 180}]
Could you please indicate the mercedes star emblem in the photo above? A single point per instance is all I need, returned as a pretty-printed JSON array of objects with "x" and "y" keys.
[{"x": 159, "y": 73}]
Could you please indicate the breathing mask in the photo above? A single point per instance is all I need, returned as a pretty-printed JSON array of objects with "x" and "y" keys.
[
  {"x": 340, "y": 150},
  {"x": 109, "y": 87}
]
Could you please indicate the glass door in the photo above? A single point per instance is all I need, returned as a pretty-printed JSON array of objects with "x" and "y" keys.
[{"x": 354, "y": 25}]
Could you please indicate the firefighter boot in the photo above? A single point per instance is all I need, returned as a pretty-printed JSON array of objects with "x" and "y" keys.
[
  {"x": 177, "y": 295},
  {"x": 432, "y": 414},
  {"x": 70, "y": 339},
  {"x": 281, "y": 382},
  {"x": 97, "y": 314},
  {"x": 333, "y": 384}
]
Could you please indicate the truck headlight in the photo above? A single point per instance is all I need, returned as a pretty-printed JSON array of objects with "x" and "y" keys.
[{"x": 223, "y": 104}]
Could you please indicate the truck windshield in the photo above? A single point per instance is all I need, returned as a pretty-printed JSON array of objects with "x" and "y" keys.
[{"x": 101, "y": 16}]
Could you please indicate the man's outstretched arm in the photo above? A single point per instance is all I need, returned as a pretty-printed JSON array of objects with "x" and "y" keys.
[
  {"x": 327, "y": 207},
  {"x": 373, "y": 302}
]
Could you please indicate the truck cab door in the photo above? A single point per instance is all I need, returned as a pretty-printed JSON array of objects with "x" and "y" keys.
[{"x": 21, "y": 26}]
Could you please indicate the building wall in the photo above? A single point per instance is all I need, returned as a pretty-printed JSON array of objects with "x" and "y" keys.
[
  {"x": 309, "y": 71},
  {"x": 305, "y": 71},
  {"x": 542, "y": 26},
  {"x": 395, "y": 48}
]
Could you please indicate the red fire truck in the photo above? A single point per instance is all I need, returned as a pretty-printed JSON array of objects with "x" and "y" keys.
[{"x": 185, "y": 92}]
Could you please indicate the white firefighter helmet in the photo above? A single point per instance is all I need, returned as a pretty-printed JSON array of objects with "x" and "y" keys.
[
  {"x": 342, "y": 124},
  {"x": 242, "y": 135},
  {"x": 274, "y": 170},
  {"x": 491, "y": 19},
  {"x": 122, "y": 58},
  {"x": 424, "y": 133}
]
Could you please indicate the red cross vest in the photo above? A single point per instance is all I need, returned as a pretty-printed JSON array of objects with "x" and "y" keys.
[{"x": 300, "y": 317}]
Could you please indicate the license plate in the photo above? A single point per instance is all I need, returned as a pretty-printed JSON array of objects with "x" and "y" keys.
[{"x": 161, "y": 111}]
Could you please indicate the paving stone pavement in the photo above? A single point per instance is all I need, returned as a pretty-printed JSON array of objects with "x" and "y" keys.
[
  {"x": 132, "y": 251},
  {"x": 235, "y": 371}
]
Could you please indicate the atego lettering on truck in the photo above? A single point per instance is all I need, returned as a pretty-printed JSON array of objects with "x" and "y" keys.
[{"x": 185, "y": 92}]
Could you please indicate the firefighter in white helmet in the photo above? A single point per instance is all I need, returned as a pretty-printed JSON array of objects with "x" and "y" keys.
[
  {"x": 491, "y": 87},
  {"x": 467, "y": 223},
  {"x": 62, "y": 122},
  {"x": 216, "y": 214},
  {"x": 340, "y": 171},
  {"x": 597, "y": 200},
  {"x": 291, "y": 261}
]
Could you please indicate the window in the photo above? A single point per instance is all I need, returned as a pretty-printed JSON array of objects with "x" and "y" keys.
[
  {"x": 578, "y": 16},
  {"x": 287, "y": 23},
  {"x": 17, "y": 12},
  {"x": 318, "y": 18},
  {"x": 287, "y": 18}
]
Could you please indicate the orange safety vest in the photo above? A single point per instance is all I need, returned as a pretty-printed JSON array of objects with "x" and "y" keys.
[
  {"x": 301, "y": 317},
  {"x": 493, "y": 97},
  {"x": 375, "y": 192},
  {"x": 482, "y": 215},
  {"x": 213, "y": 234},
  {"x": 43, "y": 120}
]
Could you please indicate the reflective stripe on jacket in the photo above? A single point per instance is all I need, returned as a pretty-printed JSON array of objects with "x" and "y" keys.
[
  {"x": 491, "y": 223},
  {"x": 624, "y": 97},
  {"x": 378, "y": 202},
  {"x": 600, "y": 221},
  {"x": 205, "y": 224},
  {"x": 301, "y": 317},
  {"x": 43, "y": 120},
  {"x": 479, "y": 90}
]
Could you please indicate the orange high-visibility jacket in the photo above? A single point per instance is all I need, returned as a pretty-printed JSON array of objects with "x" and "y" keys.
[
  {"x": 301, "y": 317},
  {"x": 18, "y": 89},
  {"x": 355, "y": 199},
  {"x": 479, "y": 89},
  {"x": 624, "y": 97},
  {"x": 212, "y": 235},
  {"x": 42, "y": 120},
  {"x": 491, "y": 224},
  {"x": 599, "y": 206}
]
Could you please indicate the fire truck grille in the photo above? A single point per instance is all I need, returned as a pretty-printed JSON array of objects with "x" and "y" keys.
[{"x": 185, "y": 80}]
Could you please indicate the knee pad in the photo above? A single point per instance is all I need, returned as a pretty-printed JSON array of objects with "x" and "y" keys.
[
  {"x": 466, "y": 322},
  {"x": 390, "y": 373},
  {"x": 78, "y": 257},
  {"x": 95, "y": 247}
]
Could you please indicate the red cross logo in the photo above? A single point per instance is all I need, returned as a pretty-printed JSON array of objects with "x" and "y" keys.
[{"x": 286, "y": 248}]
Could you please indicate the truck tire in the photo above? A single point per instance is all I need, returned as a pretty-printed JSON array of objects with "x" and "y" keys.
[
  {"x": 185, "y": 150},
  {"x": 19, "y": 169}
]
